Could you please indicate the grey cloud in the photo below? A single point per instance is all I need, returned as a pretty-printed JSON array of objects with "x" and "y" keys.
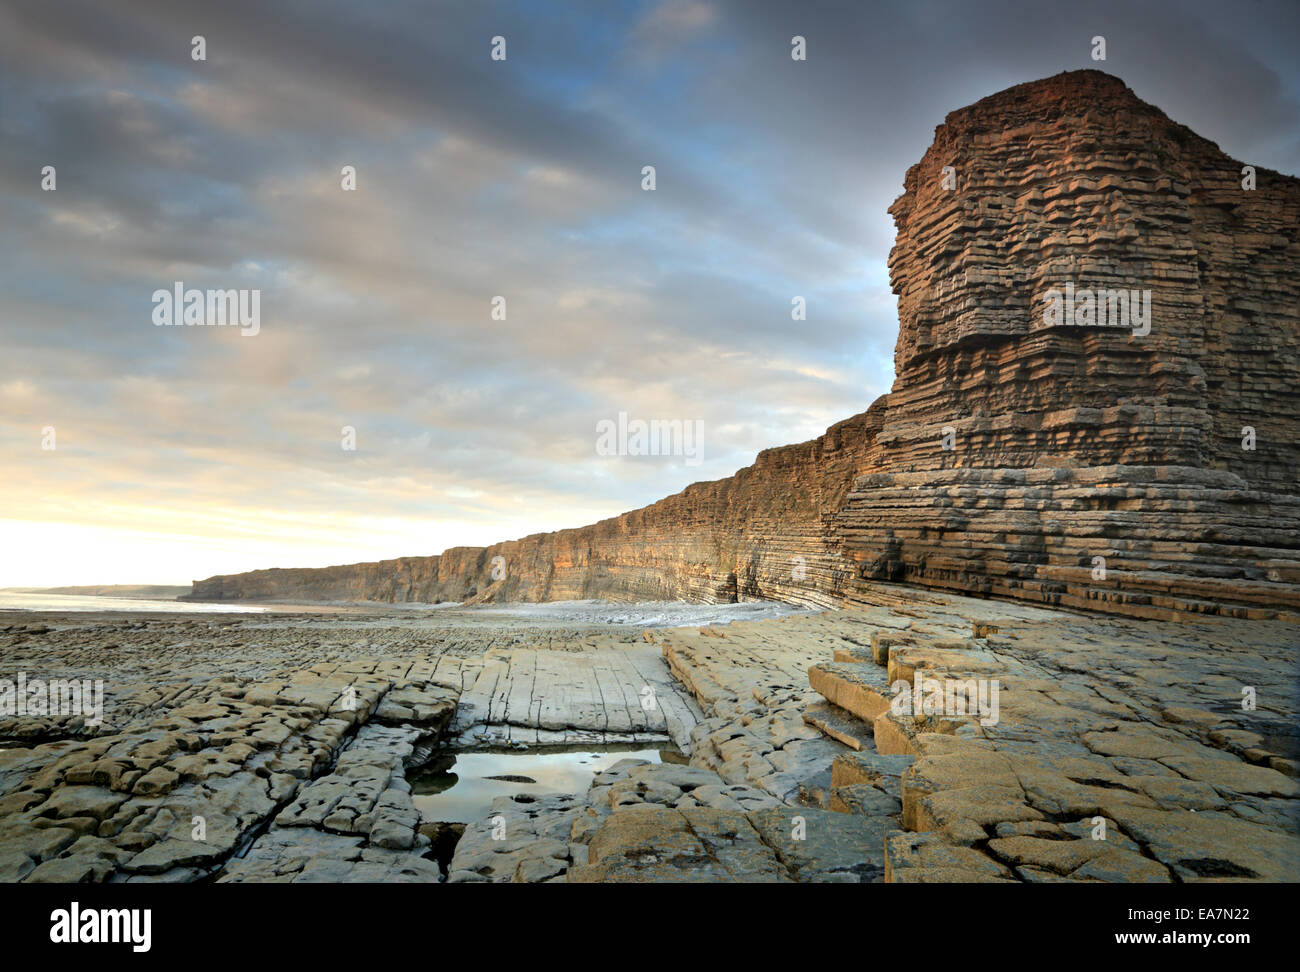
[{"x": 478, "y": 179}]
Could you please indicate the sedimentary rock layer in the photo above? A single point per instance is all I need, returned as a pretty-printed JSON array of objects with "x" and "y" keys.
[
  {"x": 766, "y": 532},
  {"x": 1147, "y": 469},
  {"x": 1089, "y": 465}
]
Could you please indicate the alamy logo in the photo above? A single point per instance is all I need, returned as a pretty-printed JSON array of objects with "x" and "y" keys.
[
  {"x": 947, "y": 697},
  {"x": 218, "y": 308},
  {"x": 57, "y": 697},
  {"x": 74, "y": 926},
  {"x": 654, "y": 438},
  {"x": 1098, "y": 308}
]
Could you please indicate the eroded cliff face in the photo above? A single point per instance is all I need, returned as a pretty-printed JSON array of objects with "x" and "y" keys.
[
  {"x": 1082, "y": 464},
  {"x": 1075, "y": 181},
  {"x": 766, "y": 532},
  {"x": 1095, "y": 465}
]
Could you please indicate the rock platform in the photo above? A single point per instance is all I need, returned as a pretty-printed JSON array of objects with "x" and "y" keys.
[{"x": 276, "y": 748}]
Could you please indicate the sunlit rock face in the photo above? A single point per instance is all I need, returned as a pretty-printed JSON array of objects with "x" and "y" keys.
[
  {"x": 766, "y": 532},
  {"x": 1036, "y": 444},
  {"x": 1073, "y": 181}
]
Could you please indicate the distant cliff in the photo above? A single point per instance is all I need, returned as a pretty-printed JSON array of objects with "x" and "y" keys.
[
  {"x": 766, "y": 532},
  {"x": 1145, "y": 466},
  {"x": 148, "y": 591}
]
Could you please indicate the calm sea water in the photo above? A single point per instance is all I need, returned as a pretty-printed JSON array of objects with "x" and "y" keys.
[{"x": 10, "y": 601}]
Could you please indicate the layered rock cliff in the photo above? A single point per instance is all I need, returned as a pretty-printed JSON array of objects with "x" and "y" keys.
[
  {"x": 766, "y": 532},
  {"x": 1089, "y": 465},
  {"x": 1148, "y": 468}
]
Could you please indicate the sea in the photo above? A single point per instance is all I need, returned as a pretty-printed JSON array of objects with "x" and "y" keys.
[{"x": 14, "y": 601}]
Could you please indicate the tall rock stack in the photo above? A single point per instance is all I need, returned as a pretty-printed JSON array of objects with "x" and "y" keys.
[
  {"x": 1147, "y": 467},
  {"x": 1089, "y": 462}
]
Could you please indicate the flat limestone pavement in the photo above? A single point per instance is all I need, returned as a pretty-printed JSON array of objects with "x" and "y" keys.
[
  {"x": 606, "y": 694},
  {"x": 276, "y": 748},
  {"x": 1122, "y": 750}
]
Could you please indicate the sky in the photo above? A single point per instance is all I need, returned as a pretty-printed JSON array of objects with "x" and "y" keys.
[{"x": 182, "y": 452}]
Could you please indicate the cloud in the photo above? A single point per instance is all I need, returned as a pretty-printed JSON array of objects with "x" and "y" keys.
[
  {"x": 479, "y": 179},
  {"x": 668, "y": 26}
]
